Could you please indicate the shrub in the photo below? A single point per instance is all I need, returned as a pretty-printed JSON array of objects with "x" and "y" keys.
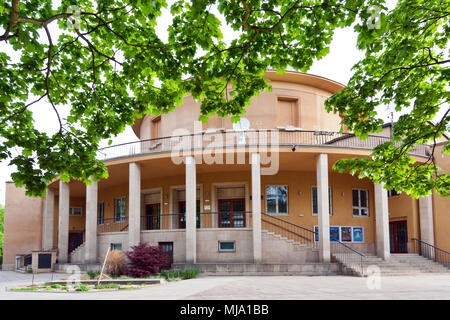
[
  {"x": 146, "y": 260},
  {"x": 107, "y": 286},
  {"x": 82, "y": 287},
  {"x": 116, "y": 264},
  {"x": 92, "y": 274},
  {"x": 179, "y": 274}
]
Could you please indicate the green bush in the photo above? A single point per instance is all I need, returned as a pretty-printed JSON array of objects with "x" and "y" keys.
[
  {"x": 81, "y": 287},
  {"x": 181, "y": 274},
  {"x": 92, "y": 274},
  {"x": 56, "y": 286}
]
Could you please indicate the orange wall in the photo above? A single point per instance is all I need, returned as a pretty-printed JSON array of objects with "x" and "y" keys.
[
  {"x": 298, "y": 204},
  {"x": 262, "y": 111},
  {"x": 441, "y": 206},
  {"x": 403, "y": 207},
  {"x": 23, "y": 224}
]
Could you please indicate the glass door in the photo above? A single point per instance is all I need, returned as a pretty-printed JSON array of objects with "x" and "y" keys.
[
  {"x": 232, "y": 213},
  {"x": 153, "y": 216},
  {"x": 398, "y": 235},
  {"x": 182, "y": 214}
]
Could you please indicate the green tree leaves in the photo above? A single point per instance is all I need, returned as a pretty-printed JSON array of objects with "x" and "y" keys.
[
  {"x": 108, "y": 64},
  {"x": 406, "y": 65}
]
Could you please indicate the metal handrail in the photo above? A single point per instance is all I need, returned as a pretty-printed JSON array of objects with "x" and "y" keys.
[
  {"x": 429, "y": 244},
  {"x": 287, "y": 222},
  {"x": 353, "y": 259},
  {"x": 265, "y": 138},
  {"x": 287, "y": 229},
  {"x": 432, "y": 252}
]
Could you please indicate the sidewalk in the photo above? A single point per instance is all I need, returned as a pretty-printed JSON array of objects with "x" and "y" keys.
[{"x": 427, "y": 287}]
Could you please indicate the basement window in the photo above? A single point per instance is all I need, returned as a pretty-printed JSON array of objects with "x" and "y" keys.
[
  {"x": 116, "y": 246},
  {"x": 227, "y": 246}
]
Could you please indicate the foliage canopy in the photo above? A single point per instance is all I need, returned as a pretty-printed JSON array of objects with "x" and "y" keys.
[{"x": 107, "y": 62}]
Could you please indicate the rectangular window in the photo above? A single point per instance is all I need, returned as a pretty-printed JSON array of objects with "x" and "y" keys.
[
  {"x": 277, "y": 199},
  {"x": 287, "y": 112},
  {"x": 120, "y": 209},
  {"x": 227, "y": 246},
  {"x": 360, "y": 202},
  {"x": 116, "y": 246},
  {"x": 101, "y": 213},
  {"x": 76, "y": 211},
  {"x": 315, "y": 205}
]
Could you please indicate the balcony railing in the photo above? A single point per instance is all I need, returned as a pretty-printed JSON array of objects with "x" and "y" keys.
[
  {"x": 117, "y": 224},
  {"x": 232, "y": 139},
  {"x": 177, "y": 221}
]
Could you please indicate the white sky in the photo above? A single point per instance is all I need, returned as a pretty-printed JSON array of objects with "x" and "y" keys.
[{"x": 336, "y": 66}]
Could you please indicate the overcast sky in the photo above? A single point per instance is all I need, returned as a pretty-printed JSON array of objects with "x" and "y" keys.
[{"x": 336, "y": 66}]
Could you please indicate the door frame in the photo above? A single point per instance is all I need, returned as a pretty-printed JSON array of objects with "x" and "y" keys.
[
  {"x": 158, "y": 215},
  {"x": 396, "y": 247},
  {"x": 232, "y": 210},
  {"x": 198, "y": 213}
]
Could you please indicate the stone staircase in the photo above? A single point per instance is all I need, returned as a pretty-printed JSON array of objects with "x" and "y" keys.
[
  {"x": 398, "y": 265},
  {"x": 281, "y": 257},
  {"x": 77, "y": 255},
  {"x": 279, "y": 249}
]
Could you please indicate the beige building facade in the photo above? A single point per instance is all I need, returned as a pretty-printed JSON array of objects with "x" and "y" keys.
[{"x": 263, "y": 191}]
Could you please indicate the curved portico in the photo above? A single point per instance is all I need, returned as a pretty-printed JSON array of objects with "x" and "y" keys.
[{"x": 213, "y": 194}]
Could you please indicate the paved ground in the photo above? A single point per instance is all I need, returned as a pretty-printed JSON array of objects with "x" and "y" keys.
[{"x": 435, "y": 286}]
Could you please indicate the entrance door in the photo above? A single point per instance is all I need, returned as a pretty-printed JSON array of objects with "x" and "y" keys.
[
  {"x": 398, "y": 236},
  {"x": 232, "y": 213},
  {"x": 152, "y": 216},
  {"x": 182, "y": 214},
  {"x": 167, "y": 247}
]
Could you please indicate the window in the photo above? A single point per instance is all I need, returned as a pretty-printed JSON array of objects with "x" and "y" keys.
[
  {"x": 101, "y": 213},
  {"x": 156, "y": 127},
  {"x": 277, "y": 199},
  {"x": 287, "y": 112},
  {"x": 315, "y": 205},
  {"x": 120, "y": 208},
  {"x": 227, "y": 246},
  {"x": 393, "y": 193},
  {"x": 360, "y": 202},
  {"x": 116, "y": 246},
  {"x": 75, "y": 211}
]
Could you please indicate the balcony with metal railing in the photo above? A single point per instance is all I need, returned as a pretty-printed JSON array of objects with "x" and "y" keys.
[
  {"x": 177, "y": 221},
  {"x": 252, "y": 138}
]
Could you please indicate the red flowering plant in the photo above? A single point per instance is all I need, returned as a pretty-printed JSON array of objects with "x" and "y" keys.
[{"x": 145, "y": 260}]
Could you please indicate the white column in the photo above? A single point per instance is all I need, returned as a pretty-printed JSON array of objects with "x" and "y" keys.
[
  {"x": 134, "y": 204},
  {"x": 48, "y": 218},
  {"x": 91, "y": 222},
  {"x": 323, "y": 208},
  {"x": 256, "y": 207},
  {"x": 382, "y": 222},
  {"x": 426, "y": 219},
  {"x": 191, "y": 211},
  {"x": 63, "y": 222}
]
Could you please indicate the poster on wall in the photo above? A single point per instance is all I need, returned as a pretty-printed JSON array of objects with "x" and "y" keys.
[
  {"x": 334, "y": 234},
  {"x": 346, "y": 234},
  {"x": 358, "y": 234},
  {"x": 316, "y": 233}
]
